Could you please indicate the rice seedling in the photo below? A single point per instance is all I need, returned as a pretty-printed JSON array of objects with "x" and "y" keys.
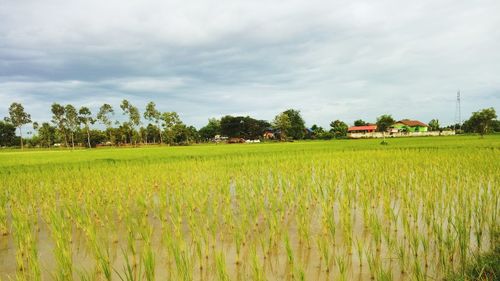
[
  {"x": 342, "y": 266},
  {"x": 425, "y": 207},
  {"x": 61, "y": 233},
  {"x": 258, "y": 273},
  {"x": 220, "y": 267},
  {"x": 324, "y": 249}
]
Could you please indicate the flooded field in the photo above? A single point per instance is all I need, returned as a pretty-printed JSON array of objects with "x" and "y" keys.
[{"x": 340, "y": 210}]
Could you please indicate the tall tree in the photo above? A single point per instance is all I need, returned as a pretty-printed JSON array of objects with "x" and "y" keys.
[
  {"x": 18, "y": 118},
  {"x": 104, "y": 117},
  {"x": 59, "y": 119},
  {"x": 360, "y": 122},
  {"x": 481, "y": 121},
  {"x": 171, "y": 124},
  {"x": 47, "y": 134},
  {"x": 153, "y": 115},
  {"x": 212, "y": 129},
  {"x": 242, "y": 127},
  {"x": 297, "y": 124},
  {"x": 283, "y": 124},
  {"x": 384, "y": 122},
  {"x": 134, "y": 118},
  {"x": 232, "y": 126},
  {"x": 339, "y": 128},
  {"x": 72, "y": 121},
  {"x": 434, "y": 125},
  {"x": 7, "y": 134},
  {"x": 85, "y": 118}
]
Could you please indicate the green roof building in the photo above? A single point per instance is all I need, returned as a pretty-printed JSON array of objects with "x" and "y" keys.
[{"x": 407, "y": 125}]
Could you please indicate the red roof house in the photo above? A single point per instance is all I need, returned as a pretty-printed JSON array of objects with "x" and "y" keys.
[{"x": 362, "y": 129}]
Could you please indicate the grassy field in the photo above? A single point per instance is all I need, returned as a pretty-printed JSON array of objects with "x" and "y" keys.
[{"x": 416, "y": 209}]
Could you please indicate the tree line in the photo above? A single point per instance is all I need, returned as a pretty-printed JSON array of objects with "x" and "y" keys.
[{"x": 72, "y": 127}]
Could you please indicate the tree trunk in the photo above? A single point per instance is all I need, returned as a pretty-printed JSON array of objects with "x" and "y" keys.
[
  {"x": 88, "y": 136},
  {"x": 65, "y": 137},
  {"x": 110, "y": 137},
  {"x": 161, "y": 137},
  {"x": 21, "y": 134},
  {"x": 72, "y": 141}
]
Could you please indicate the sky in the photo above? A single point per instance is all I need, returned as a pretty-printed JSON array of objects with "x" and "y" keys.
[{"x": 330, "y": 59}]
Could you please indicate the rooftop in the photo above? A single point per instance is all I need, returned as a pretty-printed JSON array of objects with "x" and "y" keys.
[
  {"x": 412, "y": 123},
  {"x": 362, "y": 128}
]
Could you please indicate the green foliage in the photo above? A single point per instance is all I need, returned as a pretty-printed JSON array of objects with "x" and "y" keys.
[
  {"x": 481, "y": 267},
  {"x": 297, "y": 124},
  {"x": 72, "y": 123},
  {"x": 47, "y": 135},
  {"x": 384, "y": 122},
  {"x": 434, "y": 125},
  {"x": 360, "y": 122},
  {"x": 85, "y": 118},
  {"x": 18, "y": 117},
  {"x": 210, "y": 130},
  {"x": 153, "y": 115},
  {"x": 242, "y": 127},
  {"x": 186, "y": 212},
  {"x": 59, "y": 119},
  {"x": 7, "y": 134},
  {"x": 282, "y": 123},
  {"x": 104, "y": 115},
  {"x": 134, "y": 119},
  {"x": 481, "y": 122},
  {"x": 339, "y": 129},
  {"x": 320, "y": 133}
]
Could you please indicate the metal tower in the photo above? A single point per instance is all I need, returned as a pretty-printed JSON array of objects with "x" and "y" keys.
[{"x": 458, "y": 113}]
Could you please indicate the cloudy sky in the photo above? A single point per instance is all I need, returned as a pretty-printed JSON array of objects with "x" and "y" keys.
[{"x": 330, "y": 59}]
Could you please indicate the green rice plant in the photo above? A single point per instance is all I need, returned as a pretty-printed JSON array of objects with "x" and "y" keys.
[
  {"x": 359, "y": 250},
  {"x": 220, "y": 267},
  {"x": 4, "y": 229},
  {"x": 129, "y": 272},
  {"x": 182, "y": 261},
  {"x": 418, "y": 273},
  {"x": 289, "y": 250},
  {"x": 147, "y": 255},
  {"x": 384, "y": 275},
  {"x": 463, "y": 236},
  {"x": 61, "y": 233},
  {"x": 86, "y": 276},
  {"x": 258, "y": 273},
  {"x": 426, "y": 248},
  {"x": 299, "y": 274},
  {"x": 324, "y": 249},
  {"x": 373, "y": 262},
  {"x": 238, "y": 241},
  {"x": 434, "y": 197},
  {"x": 101, "y": 254},
  {"x": 402, "y": 258},
  {"x": 28, "y": 265},
  {"x": 342, "y": 266}
]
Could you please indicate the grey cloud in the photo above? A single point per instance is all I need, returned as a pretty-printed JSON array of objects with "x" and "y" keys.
[{"x": 330, "y": 59}]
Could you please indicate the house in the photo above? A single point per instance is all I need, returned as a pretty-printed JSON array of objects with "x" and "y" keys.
[
  {"x": 407, "y": 125},
  {"x": 362, "y": 129},
  {"x": 269, "y": 134}
]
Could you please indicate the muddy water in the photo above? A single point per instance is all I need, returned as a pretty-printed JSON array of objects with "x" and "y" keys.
[{"x": 274, "y": 264}]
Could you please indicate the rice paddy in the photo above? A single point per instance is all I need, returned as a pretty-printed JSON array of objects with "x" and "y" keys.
[{"x": 416, "y": 209}]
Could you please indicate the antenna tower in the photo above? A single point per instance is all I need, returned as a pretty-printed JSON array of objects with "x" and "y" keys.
[{"x": 458, "y": 113}]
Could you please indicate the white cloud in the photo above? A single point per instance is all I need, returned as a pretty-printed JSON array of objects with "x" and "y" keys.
[{"x": 330, "y": 59}]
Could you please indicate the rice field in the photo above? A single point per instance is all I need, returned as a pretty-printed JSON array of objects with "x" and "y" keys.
[{"x": 415, "y": 209}]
